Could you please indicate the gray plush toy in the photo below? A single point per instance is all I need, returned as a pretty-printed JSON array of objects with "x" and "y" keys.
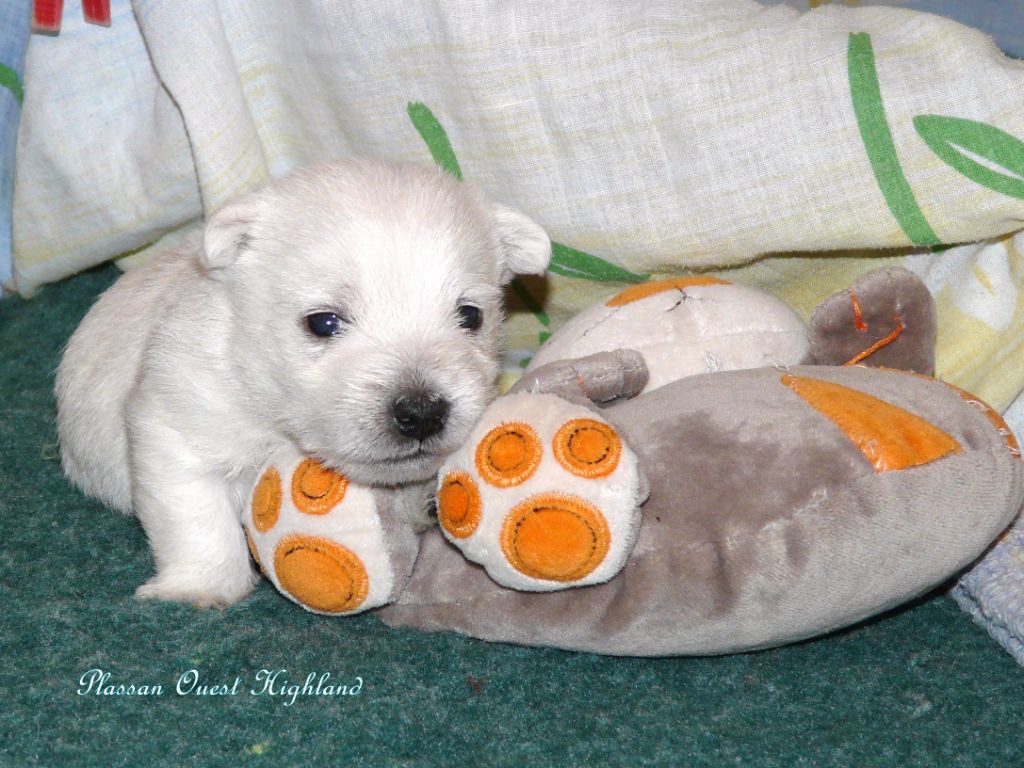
[{"x": 713, "y": 513}]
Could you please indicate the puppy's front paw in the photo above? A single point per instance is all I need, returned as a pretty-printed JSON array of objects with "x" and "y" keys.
[
  {"x": 202, "y": 593},
  {"x": 545, "y": 495}
]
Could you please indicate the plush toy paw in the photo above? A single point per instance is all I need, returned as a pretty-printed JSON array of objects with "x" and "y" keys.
[
  {"x": 545, "y": 495},
  {"x": 318, "y": 537},
  {"x": 885, "y": 319}
]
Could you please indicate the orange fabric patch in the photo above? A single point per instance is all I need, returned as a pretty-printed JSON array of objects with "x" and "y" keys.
[
  {"x": 993, "y": 416},
  {"x": 458, "y": 504},
  {"x": 587, "y": 448},
  {"x": 316, "y": 490},
  {"x": 556, "y": 537},
  {"x": 888, "y": 436},
  {"x": 643, "y": 290},
  {"x": 266, "y": 500},
  {"x": 321, "y": 574},
  {"x": 509, "y": 454}
]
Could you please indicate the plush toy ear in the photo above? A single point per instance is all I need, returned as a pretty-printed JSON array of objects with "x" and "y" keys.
[
  {"x": 526, "y": 248},
  {"x": 229, "y": 233}
]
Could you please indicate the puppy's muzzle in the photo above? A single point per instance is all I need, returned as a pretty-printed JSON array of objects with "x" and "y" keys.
[{"x": 419, "y": 414}]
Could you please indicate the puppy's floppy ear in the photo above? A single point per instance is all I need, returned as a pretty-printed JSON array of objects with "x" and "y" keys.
[
  {"x": 229, "y": 233},
  {"x": 525, "y": 247}
]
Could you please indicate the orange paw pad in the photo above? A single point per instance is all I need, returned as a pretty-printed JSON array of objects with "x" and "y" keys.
[
  {"x": 890, "y": 437},
  {"x": 555, "y": 537},
  {"x": 509, "y": 454},
  {"x": 587, "y": 448},
  {"x": 458, "y": 505},
  {"x": 643, "y": 290},
  {"x": 266, "y": 500},
  {"x": 316, "y": 490},
  {"x": 321, "y": 574}
]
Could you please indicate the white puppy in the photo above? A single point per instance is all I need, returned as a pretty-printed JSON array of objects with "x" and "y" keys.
[{"x": 352, "y": 309}]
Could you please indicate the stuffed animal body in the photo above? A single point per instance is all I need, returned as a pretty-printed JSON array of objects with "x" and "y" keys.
[
  {"x": 683, "y": 327},
  {"x": 782, "y": 505},
  {"x": 710, "y": 514}
]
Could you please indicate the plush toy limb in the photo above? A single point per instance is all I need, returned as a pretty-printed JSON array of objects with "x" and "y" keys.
[
  {"x": 601, "y": 378},
  {"x": 885, "y": 319},
  {"x": 333, "y": 546},
  {"x": 546, "y": 494}
]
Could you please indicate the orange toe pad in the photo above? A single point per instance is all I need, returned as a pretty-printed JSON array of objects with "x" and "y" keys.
[
  {"x": 587, "y": 448},
  {"x": 321, "y": 574},
  {"x": 316, "y": 490},
  {"x": 458, "y": 504},
  {"x": 555, "y": 537},
  {"x": 509, "y": 454},
  {"x": 266, "y": 500}
]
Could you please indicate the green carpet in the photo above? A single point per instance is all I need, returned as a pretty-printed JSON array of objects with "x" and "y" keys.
[{"x": 924, "y": 686}]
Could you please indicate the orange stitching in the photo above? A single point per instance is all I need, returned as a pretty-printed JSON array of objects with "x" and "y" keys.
[
  {"x": 858, "y": 318},
  {"x": 878, "y": 344},
  {"x": 1001, "y": 427}
]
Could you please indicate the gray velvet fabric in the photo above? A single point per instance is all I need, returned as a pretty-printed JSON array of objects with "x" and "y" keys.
[
  {"x": 765, "y": 525},
  {"x": 601, "y": 378},
  {"x": 886, "y": 298},
  {"x": 403, "y": 515}
]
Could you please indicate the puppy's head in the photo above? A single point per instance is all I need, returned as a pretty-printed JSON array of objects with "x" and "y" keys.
[{"x": 366, "y": 309}]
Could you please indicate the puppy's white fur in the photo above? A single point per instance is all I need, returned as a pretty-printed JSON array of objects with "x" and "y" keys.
[{"x": 186, "y": 372}]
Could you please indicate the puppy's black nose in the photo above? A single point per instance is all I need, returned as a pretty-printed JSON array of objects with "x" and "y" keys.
[{"x": 419, "y": 414}]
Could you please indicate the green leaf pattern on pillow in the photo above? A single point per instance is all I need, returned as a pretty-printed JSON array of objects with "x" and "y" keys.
[
  {"x": 565, "y": 260},
  {"x": 983, "y": 153}
]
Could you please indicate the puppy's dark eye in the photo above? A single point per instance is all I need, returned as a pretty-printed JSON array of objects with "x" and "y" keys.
[
  {"x": 325, "y": 324},
  {"x": 470, "y": 317}
]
